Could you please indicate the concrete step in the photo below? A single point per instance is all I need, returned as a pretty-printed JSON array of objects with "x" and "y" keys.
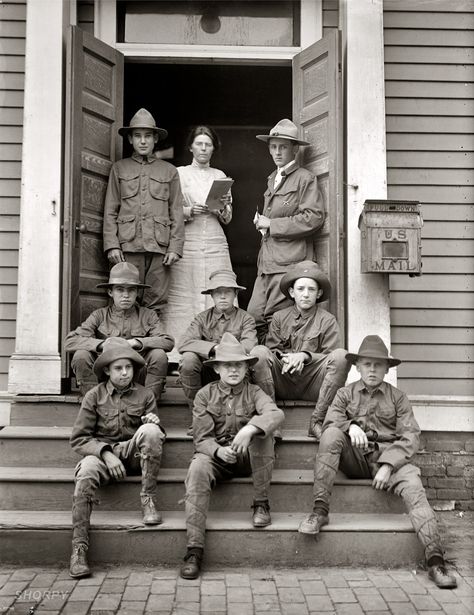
[
  {"x": 40, "y": 488},
  {"x": 44, "y": 537},
  {"x": 61, "y": 411},
  {"x": 49, "y": 447}
]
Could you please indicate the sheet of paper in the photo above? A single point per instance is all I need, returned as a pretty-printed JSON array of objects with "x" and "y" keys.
[{"x": 218, "y": 189}]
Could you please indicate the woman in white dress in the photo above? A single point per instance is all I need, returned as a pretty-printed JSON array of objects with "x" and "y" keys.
[{"x": 205, "y": 244}]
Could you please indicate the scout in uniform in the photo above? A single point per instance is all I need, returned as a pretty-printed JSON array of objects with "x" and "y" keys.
[
  {"x": 233, "y": 423},
  {"x": 116, "y": 432},
  {"x": 140, "y": 326},
  {"x": 370, "y": 432},
  {"x": 206, "y": 330},
  {"x": 291, "y": 215},
  {"x": 143, "y": 212},
  {"x": 303, "y": 354}
]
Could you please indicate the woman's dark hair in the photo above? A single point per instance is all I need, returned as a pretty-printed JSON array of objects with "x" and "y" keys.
[{"x": 203, "y": 130}]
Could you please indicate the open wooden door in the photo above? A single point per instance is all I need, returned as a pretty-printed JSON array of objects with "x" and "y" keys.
[
  {"x": 94, "y": 110},
  {"x": 317, "y": 109}
]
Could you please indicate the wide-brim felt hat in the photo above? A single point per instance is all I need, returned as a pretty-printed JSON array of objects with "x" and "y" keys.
[
  {"x": 230, "y": 350},
  {"x": 115, "y": 348},
  {"x": 222, "y": 278},
  {"x": 123, "y": 274},
  {"x": 143, "y": 119},
  {"x": 373, "y": 347},
  {"x": 306, "y": 269},
  {"x": 285, "y": 129}
]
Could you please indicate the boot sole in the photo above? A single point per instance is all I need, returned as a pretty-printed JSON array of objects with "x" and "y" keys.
[
  {"x": 80, "y": 576},
  {"x": 312, "y": 532},
  {"x": 189, "y": 576},
  {"x": 261, "y": 524},
  {"x": 153, "y": 522}
]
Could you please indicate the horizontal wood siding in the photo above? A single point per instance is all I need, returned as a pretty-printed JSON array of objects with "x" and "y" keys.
[
  {"x": 429, "y": 79},
  {"x": 85, "y": 15},
  {"x": 12, "y": 75},
  {"x": 330, "y": 15}
]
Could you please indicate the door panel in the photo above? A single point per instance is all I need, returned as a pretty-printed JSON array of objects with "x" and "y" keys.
[
  {"x": 317, "y": 110},
  {"x": 94, "y": 103}
]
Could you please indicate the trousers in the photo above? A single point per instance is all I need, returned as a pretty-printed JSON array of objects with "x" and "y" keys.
[
  {"x": 336, "y": 450},
  {"x": 142, "y": 453},
  {"x": 204, "y": 472},
  {"x": 266, "y": 299},
  {"x": 153, "y": 272},
  {"x": 152, "y": 375}
]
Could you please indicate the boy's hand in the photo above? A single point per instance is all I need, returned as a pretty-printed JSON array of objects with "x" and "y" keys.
[
  {"x": 358, "y": 437},
  {"x": 382, "y": 477},
  {"x": 135, "y": 344},
  {"x": 243, "y": 438},
  {"x": 151, "y": 417},
  {"x": 293, "y": 362},
  {"x": 115, "y": 256},
  {"x": 262, "y": 223},
  {"x": 170, "y": 258},
  {"x": 114, "y": 465},
  {"x": 226, "y": 454}
]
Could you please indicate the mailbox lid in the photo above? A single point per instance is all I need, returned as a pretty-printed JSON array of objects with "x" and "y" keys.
[{"x": 389, "y": 213}]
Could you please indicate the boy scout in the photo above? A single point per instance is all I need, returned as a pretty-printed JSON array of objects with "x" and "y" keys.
[
  {"x": 206, "y": 330},
  {"x": 370, "y": 432},
  {"x": 143, "y": 212},
  {"x": 140, "y": 326},
  {"x": 291, "y": 216},
  {"x": 233, "y": 422},
  {"x": 303, "y": 354},
  {"x": 116, "y": 425}
]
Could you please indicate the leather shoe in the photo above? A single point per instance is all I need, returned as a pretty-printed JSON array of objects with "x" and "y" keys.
[
  {"x": 191, "y": 566},
  {"x": 313, "y": 523},
  {"x": 150, "y": 515},
  {"x": 315, "y": 429},
  {"x": 261, "y": 514},
  {"x": 79, "y": 567},
  {"x": 439, "y": 575}
]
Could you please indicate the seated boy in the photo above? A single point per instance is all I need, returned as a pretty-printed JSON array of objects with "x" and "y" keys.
[
  {"x": 370, "y": 432},
  {"x": 233, "y": 423},
  {"x": 302, "y": 355},
  {"x": 206, "y": 330},
  {"x": 140, "y": 326},
  {"x": 116, "y": 432}
]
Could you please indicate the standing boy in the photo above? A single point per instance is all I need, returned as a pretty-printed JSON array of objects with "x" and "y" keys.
[
  {"x": 116, "y": 425},
  {"x": 143, "y": 213},
  {"x": 140, "y": 326},
  {"x": 370, "y": 432},
  {"x": 233, "y": 423},
  {"x": 291, "y": 216}
]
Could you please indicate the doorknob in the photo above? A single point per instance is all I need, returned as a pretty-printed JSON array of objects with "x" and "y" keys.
[{"x": 82, "y": 228}]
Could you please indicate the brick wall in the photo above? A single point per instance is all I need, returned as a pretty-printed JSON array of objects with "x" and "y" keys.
[{"x": 446, "y": 461}]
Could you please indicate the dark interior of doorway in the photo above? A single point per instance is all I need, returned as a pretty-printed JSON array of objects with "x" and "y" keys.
[{"x": 238, "y": 102}]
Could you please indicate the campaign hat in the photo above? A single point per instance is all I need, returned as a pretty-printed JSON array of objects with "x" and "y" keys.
[
  {"x": 143, "y": 119},
  {"x": 229, "y": 350},
  {"x": 373, "y": 347},
  {"x": 285, "y": 129},
  {"x": 115, "y": 348},
  {"x": 222, "y": 278},
  {"x": 306, "y": 269},
  {"x": 123, "y": 274}
]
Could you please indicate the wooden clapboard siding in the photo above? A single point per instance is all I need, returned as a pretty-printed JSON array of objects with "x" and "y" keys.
[
  {"x": 429, "y": 79},
  {"x": 12, "y": 69},
  {"x": 85, "y": 15},
  {"x": 330, "y": 15}
]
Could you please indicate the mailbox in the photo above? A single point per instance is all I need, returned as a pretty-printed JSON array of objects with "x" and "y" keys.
[{"x": 391, "y": 237}]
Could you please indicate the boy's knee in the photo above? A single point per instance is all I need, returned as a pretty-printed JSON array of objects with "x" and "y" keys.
[
  {"x": 83, "y": 358},
  {"x": 87, "y": 475},
  {"x": 199, "y": 471},
  {"x": 331, "y": 435},
  {"x": 263, "y": 354},
  {"x": 338, "y": 358},
  {"x": 157, "y": 358},
  {"x": 190, "y": 362},
  {"x": 150, "y": 434}
]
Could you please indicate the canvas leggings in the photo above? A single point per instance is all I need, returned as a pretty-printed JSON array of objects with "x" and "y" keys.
[
  {"x": 152, "y": 375},
  {"x": 336, "y": 451},
  {"x": 204, "y": 472},
  {"x": 140, "y": 454}
]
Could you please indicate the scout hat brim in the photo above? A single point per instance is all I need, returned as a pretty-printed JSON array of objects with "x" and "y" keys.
[
  {"x": 222, "y": 278},
  {"x": 161, "y": 132},
  {"x": 230, "y": 350},
  {"x": 285, "y": 129},
  {"x": 352, "y": 358},
  {"x": 122, "y": 283},
  {"x": 116, "y": 352},
  {"x": 267, "y": 138},
  {"x": 373, "y": 347},
  {"x": 232, "y": 359},
  {"x": 306, "y": 269}
]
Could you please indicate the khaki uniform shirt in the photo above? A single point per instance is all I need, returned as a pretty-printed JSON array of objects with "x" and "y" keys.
[
  {"x": 208, "y": 327},
  {"x": 144, "y": 207},
  {"x": 386, "y": 411},
  {"x": 140, "y": 323},
  {"x": 316, "y": 333},
  {"x": 108, "y": 416},
  {"x": 221, "y": 411},
  {"x": 295, "y": 214}
]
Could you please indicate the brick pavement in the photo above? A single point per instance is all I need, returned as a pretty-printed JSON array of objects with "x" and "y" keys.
[{"x": 321, "y": 591}]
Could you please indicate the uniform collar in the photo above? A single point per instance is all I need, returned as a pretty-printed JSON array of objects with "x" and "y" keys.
[
  {"x": 218, "y": 315},
  {"x": 111, "y": 389},
  {"x": 286, "y": 170},
  {"x": 139, "y": 158},
  {"x": 360, "y": 386},
  {"x": 128, "y": 312},
  {"x": 224, "y": 388},
  {"x": 308, "y": 314}
]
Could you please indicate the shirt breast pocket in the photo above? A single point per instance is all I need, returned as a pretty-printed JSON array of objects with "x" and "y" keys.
[
  {"x": 385, "y": 412},
  {"x": 107, "y": 418},
  {"x": 159, "y": 189},
  {"x": 106, "y": 331},
  {"x": 129, "y": 186},
  {"x": 355, "y": 411}
]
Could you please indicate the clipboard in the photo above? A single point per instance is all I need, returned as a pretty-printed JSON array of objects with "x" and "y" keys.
[{"x": 218, "y": 189}]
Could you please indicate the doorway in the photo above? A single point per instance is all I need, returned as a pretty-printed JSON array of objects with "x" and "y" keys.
[{"x": 239, "y": 102}]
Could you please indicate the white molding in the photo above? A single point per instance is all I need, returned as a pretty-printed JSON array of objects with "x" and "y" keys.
[
  {"x": 105, "y": 21},
  {"x": 444, "y": 413}
]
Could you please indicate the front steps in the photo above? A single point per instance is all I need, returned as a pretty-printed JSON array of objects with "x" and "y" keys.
[{"x": 366, "y": 527}]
